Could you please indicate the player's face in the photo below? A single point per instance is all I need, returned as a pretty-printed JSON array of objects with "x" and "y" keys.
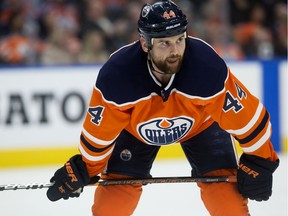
[{"x": 167, "y": 53}]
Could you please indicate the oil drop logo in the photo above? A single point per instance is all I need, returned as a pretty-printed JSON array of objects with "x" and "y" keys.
[{"x": 165, "y": 131}]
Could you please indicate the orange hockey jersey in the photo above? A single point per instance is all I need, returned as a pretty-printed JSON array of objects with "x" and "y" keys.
[{"x": 127, "y": 96}]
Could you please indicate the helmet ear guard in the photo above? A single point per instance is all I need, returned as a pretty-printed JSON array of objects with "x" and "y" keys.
[{"x": 161, "y": 19}]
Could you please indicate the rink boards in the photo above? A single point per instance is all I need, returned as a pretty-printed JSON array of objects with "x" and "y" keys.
[{"x": 42, "y": 108}]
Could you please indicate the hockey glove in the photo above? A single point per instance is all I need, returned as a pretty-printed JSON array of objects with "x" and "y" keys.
[
  {"x": 70, "y": 179},
  {"x": 254, "y": 177}
]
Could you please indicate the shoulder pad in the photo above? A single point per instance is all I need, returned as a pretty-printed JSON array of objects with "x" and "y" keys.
[
  {"x": 120, "y": 80},
  {"x": 203, "y": 72}
]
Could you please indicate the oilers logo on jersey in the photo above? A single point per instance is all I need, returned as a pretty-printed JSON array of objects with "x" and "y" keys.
[{"x": 164, "y": 131}]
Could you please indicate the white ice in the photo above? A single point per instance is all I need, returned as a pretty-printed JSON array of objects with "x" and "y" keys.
[{"x": 173, "y": 199}]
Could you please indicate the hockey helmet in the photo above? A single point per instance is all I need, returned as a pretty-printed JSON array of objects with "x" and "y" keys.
[{"x": 161, "y": 19}]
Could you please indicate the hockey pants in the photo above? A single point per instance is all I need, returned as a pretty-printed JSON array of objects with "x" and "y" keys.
[
  {"x": 210, "y": 153},
  {"x": 220, "y": 199}
]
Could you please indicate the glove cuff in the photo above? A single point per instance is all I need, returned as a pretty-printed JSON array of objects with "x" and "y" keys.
[
  {"x": 261, "y": 162},
  {"x": 78, "y": 166}
]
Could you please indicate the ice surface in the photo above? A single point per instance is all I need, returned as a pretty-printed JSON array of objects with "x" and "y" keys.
[{"x": 173, "y": 199}]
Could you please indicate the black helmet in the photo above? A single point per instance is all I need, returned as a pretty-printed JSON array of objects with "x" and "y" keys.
[{"x": 161, "y": 19}]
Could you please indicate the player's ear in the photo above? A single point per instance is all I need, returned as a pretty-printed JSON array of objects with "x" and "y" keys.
[{"x": 144, "y": 44}]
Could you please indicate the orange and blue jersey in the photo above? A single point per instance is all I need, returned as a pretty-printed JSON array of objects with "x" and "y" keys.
[{"x": 127, "y": 96}]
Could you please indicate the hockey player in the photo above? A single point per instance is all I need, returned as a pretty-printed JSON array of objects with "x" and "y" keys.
[{"x": 167, "y": 88}]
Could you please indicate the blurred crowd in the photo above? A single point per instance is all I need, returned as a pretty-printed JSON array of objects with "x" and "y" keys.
[{"x": 49, "y": 32}]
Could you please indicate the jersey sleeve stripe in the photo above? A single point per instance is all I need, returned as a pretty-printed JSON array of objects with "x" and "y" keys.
[
  {"x": 96, "y": 140},
  {"x": 250, "y": 124},
  {"x": 259, "y": 128},
  {"x": 260, "y": 142},
  {"x": 209, "y": 117},
  {"x": 92, "y": 148},
  {"x": 95, "y": 158}
]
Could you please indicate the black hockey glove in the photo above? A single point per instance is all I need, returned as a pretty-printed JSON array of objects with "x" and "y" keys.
[
  {"x": 254, "y": 177},
  {"x": 70, "y": 179}
]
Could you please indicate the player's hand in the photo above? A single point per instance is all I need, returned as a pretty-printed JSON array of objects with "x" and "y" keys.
[
  {"x": 254, "y": 177},
  {"x": 70, "y": 179}
]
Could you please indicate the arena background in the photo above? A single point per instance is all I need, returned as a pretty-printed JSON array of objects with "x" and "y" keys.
[{"x": 50, "y": 54}]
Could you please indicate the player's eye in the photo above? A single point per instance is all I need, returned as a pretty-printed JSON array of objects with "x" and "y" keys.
[
  {"x": 181, "y": 39},
  {"x": 164, "y": 43}
]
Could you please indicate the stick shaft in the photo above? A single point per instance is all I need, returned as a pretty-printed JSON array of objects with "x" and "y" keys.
[
  {"x": 128, "y": 181},
  {"x": 167, "y": 180}
]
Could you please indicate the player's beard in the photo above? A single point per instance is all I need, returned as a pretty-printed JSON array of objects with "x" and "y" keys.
[{"x": 169, "y": 65}]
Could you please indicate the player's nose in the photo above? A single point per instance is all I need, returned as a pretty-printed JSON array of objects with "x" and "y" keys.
[{"x": 174, "y": 49}]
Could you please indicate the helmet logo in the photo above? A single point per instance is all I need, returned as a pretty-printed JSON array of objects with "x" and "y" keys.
[
  {"x": 146, "y": 10},
  {"x": 170, "y": 15}
]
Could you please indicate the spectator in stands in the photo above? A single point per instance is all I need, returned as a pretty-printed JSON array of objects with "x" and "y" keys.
[
  {"x": 57, "y": 12},
  {"x": 214, "y": 28},
  {"x": 17, "y": 44},
  {"x": 93, "y": 49},
  {"x": 62, "y": 47},
  {"x": 8, "y": 10},
  {"x": 239, "y": 11},
  {"x": 125, "y": 26},
  {"x": 59, "y": 29},
  {"x": 97, "y": 19},
  {"x": 280, "y": 30},
  {"x": 253, "y": 36}
]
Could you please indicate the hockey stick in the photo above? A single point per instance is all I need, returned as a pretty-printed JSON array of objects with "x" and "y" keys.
[{"x": 128, "y": 181}]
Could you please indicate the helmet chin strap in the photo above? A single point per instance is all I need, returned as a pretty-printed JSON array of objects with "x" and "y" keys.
[
  {"x": 150, "y": 59},
  {"x": 151, "y": 65}
]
